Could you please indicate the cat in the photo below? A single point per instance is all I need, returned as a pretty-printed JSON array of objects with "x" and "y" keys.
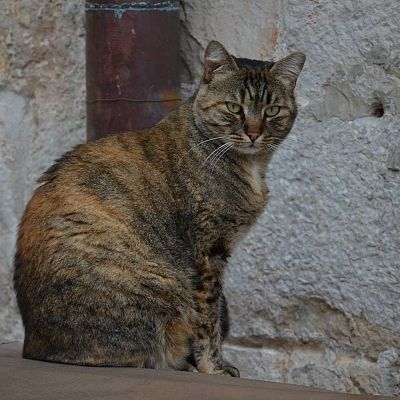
[{"x": 121, "y": 251}]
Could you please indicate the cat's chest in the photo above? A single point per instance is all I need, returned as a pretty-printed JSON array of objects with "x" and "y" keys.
[
  {"x": 247, "y": 185},
  {"x": 247, "y": 198},
  {"x": 232, "y": 202},
  {"x": 254, "y": 175}
]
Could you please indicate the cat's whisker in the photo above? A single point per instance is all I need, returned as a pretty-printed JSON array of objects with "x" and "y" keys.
[
  {"x": 204, "y": 141},
  {"x": 275, "y": 142},
  {"x": 198, "y": 144},
  {"x": 215, "y": 151},
  {"x": 286, "y": 139},
  {"x": 288, "y": 144},
  {"x": 216, "y": 155},
  {"x": 223, "y": 152},
  {"x": 214, "y": 159},
  {"x": 272, "y": 146},
  {"x": 208, "y": 140}
]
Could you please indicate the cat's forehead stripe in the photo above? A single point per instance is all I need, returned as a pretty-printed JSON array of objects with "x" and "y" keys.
[
  {"x": 247, "y": 86},
  {"x": 263, "y": 91},
  {"x": 255, "y": 86}
]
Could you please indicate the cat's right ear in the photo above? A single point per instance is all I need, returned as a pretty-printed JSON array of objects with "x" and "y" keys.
[
  {"x": 288, "y": 69},
  {"x": 217, "y": 62}
]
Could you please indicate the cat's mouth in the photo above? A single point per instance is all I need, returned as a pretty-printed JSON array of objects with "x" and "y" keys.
[{"x": 247, "y": 147}]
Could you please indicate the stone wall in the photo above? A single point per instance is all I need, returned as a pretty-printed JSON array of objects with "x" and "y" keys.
[
  {"x": 314, "y": 290},
  {"x": 42, "y": 113}
]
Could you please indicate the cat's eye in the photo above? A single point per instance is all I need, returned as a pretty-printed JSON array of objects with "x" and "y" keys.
[
  {"x": 272, "y": 111},
  {"x": 233, "y": 107}
]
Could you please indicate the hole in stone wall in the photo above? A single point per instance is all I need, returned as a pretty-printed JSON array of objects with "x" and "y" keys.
[{"x": 377, "y": 109}]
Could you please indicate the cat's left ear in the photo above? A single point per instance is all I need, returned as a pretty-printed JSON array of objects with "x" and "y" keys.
[
  {"x": 288, "y": 69},
  {"x": 217, "y": 62}
]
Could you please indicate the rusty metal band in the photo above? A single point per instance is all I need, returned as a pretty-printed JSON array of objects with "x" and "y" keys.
[
  {"x": 132, "y": 67},
  {"x": 120, "y": 9},
  {"x": 134, "y": 100}
]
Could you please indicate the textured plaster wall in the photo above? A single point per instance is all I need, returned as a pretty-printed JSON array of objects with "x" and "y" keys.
[
  {"x": 314, "y": 290},
  {"x": 42, "y": 113}
]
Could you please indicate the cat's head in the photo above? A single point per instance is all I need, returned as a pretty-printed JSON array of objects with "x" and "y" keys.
[{"x": 247, "y": 103}]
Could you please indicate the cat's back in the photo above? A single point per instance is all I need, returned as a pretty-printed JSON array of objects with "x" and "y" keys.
[
  {"x": 94, "y": 201},
  {"x": 105, "y": 167},
  {"x": 110, "y": 174}
]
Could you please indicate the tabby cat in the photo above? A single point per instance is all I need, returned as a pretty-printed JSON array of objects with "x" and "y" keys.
[{"x": 122, "y": 249}]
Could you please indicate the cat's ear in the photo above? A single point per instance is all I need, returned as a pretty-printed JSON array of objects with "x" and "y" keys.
[
  {"x": 288, "y": 69},
  {"x": 217, "y": 62}
]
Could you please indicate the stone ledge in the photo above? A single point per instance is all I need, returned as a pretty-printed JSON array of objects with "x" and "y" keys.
[{"x": 28, "y": 379}]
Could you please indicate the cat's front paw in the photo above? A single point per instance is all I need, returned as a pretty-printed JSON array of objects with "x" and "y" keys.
[
  {"x": 188, "y": 367},
  {"x": 228, "y": 370}
]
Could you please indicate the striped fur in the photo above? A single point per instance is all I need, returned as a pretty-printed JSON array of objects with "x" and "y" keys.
[{"x": 122, "y": 249}]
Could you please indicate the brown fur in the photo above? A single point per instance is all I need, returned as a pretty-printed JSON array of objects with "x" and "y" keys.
[{"x": 122, "y": 249}]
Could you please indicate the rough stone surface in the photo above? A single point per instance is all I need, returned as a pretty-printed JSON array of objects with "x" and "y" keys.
[
  {"x": 248, "y": 27},
  {"x": 315, "y": 367},
  {"x": 314, "y": 290},
  {"x": 42, "y": 113}
]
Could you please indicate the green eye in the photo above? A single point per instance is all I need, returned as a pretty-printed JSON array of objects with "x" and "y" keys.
[
  {"x": 272, "y": 111},
  {"x": 233, "y": 107}
]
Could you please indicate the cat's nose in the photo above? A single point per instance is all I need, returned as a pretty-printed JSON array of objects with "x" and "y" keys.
[{"x": 253, "y": 136}]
